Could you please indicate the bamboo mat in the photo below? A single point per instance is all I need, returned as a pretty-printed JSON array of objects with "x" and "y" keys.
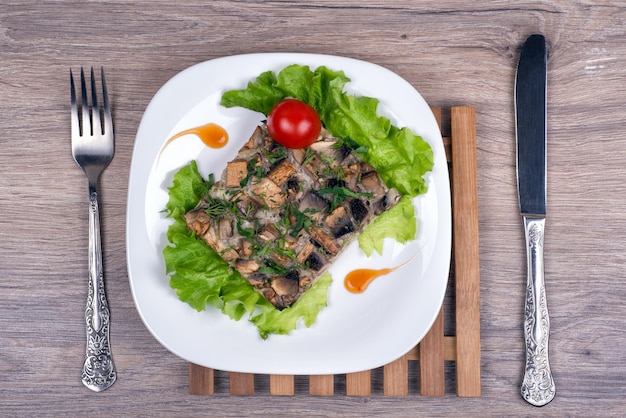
[{"x": 436, "y": 348}]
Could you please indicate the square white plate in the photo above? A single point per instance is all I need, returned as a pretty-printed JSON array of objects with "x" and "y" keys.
[{"x": 356, "y": 331}]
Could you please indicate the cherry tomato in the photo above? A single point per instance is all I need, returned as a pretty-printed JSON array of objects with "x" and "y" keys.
[{"x": 293, "y": 124}]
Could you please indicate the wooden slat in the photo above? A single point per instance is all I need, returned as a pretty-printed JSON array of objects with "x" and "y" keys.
[
  {"x": 466, "y": 255},
  {"x": 282, "y": 385},
  {"x": 359, "y": 383},
  {"x": 322, "y": 385},
  {"x": 396, "y": 377},
  {"x": 432, "y": 377},
  {"x": 201, "y": 380},
  {"x": 447, "y": 145},
  {"x": 241, "y": 383},
  {"x": 446, "y": 139},
  {"x": 437, "y": 114},
  {"x": 449, "y": 350}
]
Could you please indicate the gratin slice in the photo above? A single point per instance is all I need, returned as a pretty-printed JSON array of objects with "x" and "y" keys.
[{"x": 281, "y": 216}]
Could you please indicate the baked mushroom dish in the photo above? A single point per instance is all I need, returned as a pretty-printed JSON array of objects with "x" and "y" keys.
[{"x": 280, "y": 216}]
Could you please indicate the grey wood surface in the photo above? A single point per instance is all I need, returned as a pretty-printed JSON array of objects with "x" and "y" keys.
[{"x": 453, "y": 52}]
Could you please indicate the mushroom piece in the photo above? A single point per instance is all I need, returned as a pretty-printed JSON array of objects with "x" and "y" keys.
[
  {"x": 334, "y": 182},
  {"x": 236, "y": 171},
  {"x": 229, "y": 254},
  {"x": 269, "y": 294},
  {"x": 326, "y": 148},
  {"x": 257, "y": 280},
  {"x": 305, "y": 252},
  {"x": 197, "y": 221},
  {"x": 246, "y": 247},
  {"x": 246, "y": 205},
  {"x": 255, "y": 139},
  {"x": 282, "y": 172},
  {"x": 269, "y": 233},
  {"x": 245, "y": 266},
  {"x": 359, "y": 210},
  {"x": 315, "y": 261},
  {"x": 344, "y": 151},
  {"x": 373, "y": 184},
  {"x": 293, "y": 184},
  {"x": 305, "y": 282},
  {"x": 225, "y": 229},
  {"x": 210, "y": 237},
  {"x": 298, "y": 155},
  {"x": 325, "y": 240},
  {"x": 389, "y": 199},
  {"x": 312, "y": 165},
  {"x": 313, "y": 205},
  {"x": 351, "y": 175},
  {"x": 339, "y": 222},
  {"x": 286, "y": 285},
  {"x": 269, "y": 192}
]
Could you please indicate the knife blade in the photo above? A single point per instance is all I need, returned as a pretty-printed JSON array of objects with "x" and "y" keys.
[{"x": 538, "y": 386}]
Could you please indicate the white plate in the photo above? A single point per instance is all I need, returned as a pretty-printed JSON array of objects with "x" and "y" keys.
[{"x": 356, "y": 331}]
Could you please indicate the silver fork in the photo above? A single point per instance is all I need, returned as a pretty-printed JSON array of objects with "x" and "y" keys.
[{"x": 92, "y": 148}]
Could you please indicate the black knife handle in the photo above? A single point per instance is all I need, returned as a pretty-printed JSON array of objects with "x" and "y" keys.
[{"x": 538, "y": 385}]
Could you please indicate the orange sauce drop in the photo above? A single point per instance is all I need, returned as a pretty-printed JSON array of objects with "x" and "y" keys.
[
  {"x": 358, "y": 280},
  {"x": 211, "y": 134}
]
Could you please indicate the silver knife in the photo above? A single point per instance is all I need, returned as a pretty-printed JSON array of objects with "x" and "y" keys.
[{"x": 530, "y": 122}]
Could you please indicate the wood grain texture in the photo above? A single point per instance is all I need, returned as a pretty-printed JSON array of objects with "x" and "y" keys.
[
  {"x": 396, "y": 377},
  {"x": 201, "y": 380},
  {"x": 431, "y": 348},
  {"x": 431, "y": 357},
  {"x": 322, "y": 385},
  {"x": 466, "y": 257},
  {"x": 241, "y": 383},
  {"x": 453, "y": 52},
  {"x": 359, "y": 383},
  {"x": 282, "y": 385}
]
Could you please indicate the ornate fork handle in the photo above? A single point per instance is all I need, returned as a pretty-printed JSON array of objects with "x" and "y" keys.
[
  {"x": 98, "y": 370},
  {"x": 538, "y": 385}
]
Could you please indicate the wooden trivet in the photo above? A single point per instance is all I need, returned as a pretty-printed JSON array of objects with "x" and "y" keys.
[{"x": 435, "y": 348}]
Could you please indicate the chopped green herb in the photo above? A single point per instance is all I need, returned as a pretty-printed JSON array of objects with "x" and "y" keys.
[
  {"x": 340, "y": 194},
  {"x": 276, "y": 154},
  {"x": 273, "y": 268},
  {"x": 246, "y": 232},
  {"x": 218, "y": 208},
  {"x": 301, "y": 220},
  {"x": 309, "y": 154}
]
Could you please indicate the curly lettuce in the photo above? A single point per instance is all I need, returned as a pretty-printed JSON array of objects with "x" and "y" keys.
[{"x": 398, "y": 223}]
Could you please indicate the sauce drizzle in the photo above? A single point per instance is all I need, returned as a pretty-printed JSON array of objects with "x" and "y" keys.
[
  {"x": 212, "y": 134},
  {"x": 358, "y": 280}
]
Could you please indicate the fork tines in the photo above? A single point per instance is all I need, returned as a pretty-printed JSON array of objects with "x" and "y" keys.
[{"x": 84, "y": 121}]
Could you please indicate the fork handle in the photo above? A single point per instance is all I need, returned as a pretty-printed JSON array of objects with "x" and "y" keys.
[{"x": 98, "y": 370}]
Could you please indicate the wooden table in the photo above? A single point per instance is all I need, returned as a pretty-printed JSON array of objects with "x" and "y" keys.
[{"x": 452, "y": 52}]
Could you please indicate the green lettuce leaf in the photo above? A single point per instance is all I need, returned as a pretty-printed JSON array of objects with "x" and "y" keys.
[
  {"x": 187, "y": 185},
  {"x": 397, "y": 223},
  {"x": 201, "y": 277}
]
